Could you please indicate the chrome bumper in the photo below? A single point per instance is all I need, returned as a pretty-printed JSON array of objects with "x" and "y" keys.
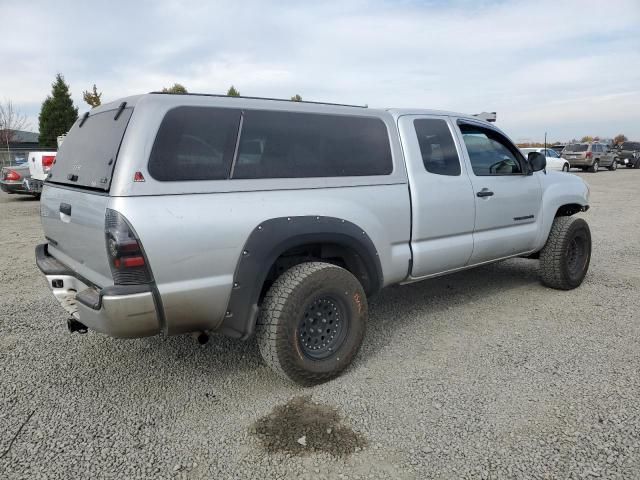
[{"x": 119, "y": 311}]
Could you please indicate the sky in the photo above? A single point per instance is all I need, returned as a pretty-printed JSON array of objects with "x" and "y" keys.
[{"x": 567, "y": 67}]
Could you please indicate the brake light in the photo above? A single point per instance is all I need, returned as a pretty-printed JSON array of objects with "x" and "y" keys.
[
  {"x": 589, "y": 155},
  {"x": 126, "y": 255},
  {"x": 47, "y": 162},
  {"x": 12, "y": 176}
]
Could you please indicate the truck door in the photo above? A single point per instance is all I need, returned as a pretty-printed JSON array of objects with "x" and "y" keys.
[
  {"x": 507, "y": 198},
  {"x": 442, "y": 201}
]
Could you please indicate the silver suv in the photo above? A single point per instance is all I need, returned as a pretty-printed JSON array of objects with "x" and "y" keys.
[
  {"x": 167, "y": 214},
  {"x": 590, "y": 156}
]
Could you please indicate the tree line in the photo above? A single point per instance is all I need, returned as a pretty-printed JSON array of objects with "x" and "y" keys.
[
  {"x": 58, "y": 112},
  {"x": 617, "y": 140}
]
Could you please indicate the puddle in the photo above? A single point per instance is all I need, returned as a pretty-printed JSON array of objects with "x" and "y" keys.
[{"x": 301, "y": 426}]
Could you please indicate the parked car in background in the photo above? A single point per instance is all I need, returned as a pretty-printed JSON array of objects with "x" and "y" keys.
[
  {"x": 590, "y": 156},
  {"x": 12, "y": 179},
  {"x": 628, "y": 154},
  {"x": 194, "y": 213},
  {"x": 40, "y": 164},
  {"x": 558, "y": 148},
  {"x": 554, "y": 161}
]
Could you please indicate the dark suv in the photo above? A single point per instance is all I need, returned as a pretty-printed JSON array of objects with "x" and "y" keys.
[{"x": 628, "y": 154}]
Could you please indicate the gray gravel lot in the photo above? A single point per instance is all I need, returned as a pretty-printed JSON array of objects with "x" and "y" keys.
[{"x": 483, "y": 374}]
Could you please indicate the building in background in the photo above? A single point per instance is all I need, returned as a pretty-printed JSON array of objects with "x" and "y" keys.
[{"x": 19, "y": 147}]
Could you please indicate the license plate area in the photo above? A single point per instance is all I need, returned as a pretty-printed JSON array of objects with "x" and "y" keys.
[{"x": 65, "y": 288}]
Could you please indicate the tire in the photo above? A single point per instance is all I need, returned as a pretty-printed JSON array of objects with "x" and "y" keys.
[
  {"x": 637, "y": 164},
  {"x": 565, "y": 167},
  {"x": 594, "y": 168},
  {"x": 614, "y": 166},
  {"x": 322, "y": 292},
  {"x": 565, "y": 258}
]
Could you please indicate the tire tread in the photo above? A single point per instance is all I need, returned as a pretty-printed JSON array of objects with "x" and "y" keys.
[
  {"x": 273, "y": 314},
  {"x": 553, "y": 253}
]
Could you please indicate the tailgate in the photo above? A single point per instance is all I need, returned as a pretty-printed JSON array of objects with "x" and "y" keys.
[{"x": 74, "y": 224}]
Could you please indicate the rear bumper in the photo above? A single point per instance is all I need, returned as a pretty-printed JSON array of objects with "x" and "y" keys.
[
  {"x": 124, "y": 311},
  {"x": 33, "y": 185},
  {"x": 13, "y": 187},
  {"x": 579, "y": 162}
]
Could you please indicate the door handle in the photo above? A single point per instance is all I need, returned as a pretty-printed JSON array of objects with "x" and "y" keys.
[
  {"x": 65, "y": 208},
  {"x": 485, "y": 192}
]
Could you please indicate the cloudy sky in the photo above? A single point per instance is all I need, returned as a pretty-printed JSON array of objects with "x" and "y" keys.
[{"x": 570, "y": 67}]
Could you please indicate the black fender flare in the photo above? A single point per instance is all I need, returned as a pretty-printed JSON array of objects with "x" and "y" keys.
[{"x": 272, "y": 238}]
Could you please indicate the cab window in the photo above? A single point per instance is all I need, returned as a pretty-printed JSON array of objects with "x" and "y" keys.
[
  {"x": 490, "y": 153},
  {"x": 438, "y": 151}
]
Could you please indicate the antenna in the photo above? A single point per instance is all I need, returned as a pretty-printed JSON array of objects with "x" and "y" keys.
[{"x": 545, "y": 144}]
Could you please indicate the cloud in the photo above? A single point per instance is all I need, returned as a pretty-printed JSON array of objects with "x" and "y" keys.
[{"x": 541, "y": 65}]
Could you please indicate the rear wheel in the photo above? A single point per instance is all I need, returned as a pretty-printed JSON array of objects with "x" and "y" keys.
[
  {"x": 565, "y": 258},
  {"x": 312, "y": 322},
  {"x": 594, "y": 168},
  {"x": 614, "y": 166}
]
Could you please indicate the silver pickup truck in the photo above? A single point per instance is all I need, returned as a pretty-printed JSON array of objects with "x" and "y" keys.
[{"x": 167, "y": 214}]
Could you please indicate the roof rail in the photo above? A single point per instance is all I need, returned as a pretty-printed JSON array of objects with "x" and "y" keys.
[{"x": 261, "y": 98}]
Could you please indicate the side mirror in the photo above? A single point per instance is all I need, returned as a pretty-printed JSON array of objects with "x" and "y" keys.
[{"x": 537, "y": 161}]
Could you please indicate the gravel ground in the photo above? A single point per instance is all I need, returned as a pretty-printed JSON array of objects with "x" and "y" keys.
[{"x": 482, "y": 374}]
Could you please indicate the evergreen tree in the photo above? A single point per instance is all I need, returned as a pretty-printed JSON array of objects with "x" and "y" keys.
[
  {"x": 57, "y": 114},
  {"x": 232, "y": 92}
]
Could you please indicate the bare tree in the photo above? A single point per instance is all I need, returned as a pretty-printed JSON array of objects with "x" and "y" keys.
[{"x": 11, "y": 121}]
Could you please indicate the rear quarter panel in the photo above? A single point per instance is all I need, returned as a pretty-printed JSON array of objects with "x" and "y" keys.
[{"x": 193, "y": 242}]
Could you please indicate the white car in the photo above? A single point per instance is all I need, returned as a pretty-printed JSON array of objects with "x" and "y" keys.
[
  {"x": 40, "y": 164},
  {"x": 554, "y": 161}
]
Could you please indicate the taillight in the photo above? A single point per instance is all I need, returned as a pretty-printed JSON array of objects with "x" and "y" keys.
[
  {"x": 47, "y": 162},
  {"x": 126, "y": 257},
  {"x": 589, "y": 155},
  {"x": 12, "y": 176}
]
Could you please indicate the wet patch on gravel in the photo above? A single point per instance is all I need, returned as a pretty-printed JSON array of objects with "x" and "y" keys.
[{"x": 302, "y": 426}]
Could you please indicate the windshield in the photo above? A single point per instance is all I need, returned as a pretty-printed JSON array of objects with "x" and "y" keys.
[
  {"x": 577, "y": 147},
  {"x": 88, "y": 154},
  {"x": 631, "y": 146}
]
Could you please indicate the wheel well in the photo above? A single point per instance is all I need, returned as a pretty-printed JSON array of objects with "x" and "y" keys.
[
  {"x": 570, "y": 209},
  {"x": 337, "y": 254}
]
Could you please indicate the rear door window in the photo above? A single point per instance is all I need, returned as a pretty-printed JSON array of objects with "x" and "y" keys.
[
  {"x": 438, "y": 151},
  {"x": 88, "y": 154},
  {"x": 195, "y": 143},
  {"x": 300, "y": 145},
  {"x": 576, "y": 147}
]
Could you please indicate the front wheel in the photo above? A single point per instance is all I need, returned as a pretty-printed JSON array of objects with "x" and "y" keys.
[
  {"x": 312, "y": 322},
  {"x": 565, "y": 167},
  {"x": 565, "y": 258}
]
